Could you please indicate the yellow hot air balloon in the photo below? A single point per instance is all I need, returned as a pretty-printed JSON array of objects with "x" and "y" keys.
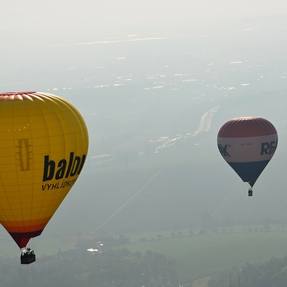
[{"x": 43, "y": 147}]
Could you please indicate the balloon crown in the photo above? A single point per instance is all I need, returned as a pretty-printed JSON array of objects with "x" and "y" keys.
[
  {"x": 16, "y": 93},
  {"x": 28, "y": 95}
]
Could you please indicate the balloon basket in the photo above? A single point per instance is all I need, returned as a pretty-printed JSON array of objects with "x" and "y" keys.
[
  {"x": 27, "y": 256},
  {"x": 250, "y": 192}
]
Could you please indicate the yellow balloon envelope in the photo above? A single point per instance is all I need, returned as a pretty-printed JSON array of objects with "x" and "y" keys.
[{"x": 43, "y": 147}]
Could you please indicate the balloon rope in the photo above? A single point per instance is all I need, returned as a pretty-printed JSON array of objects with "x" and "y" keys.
[{"x": 119, "y": 209}]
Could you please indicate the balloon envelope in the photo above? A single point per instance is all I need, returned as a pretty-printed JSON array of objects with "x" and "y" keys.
[
  {"x": 247, "y": 144},
  {"x": 43, "y": 147}
]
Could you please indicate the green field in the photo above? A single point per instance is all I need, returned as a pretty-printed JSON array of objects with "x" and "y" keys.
[{"x": 201, "y": 255}]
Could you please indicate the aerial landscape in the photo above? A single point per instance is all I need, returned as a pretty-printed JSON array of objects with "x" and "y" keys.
[{"x": 155, "y": 204}]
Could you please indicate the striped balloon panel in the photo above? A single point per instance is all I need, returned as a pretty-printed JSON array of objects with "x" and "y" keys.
[
  {"x": 247, "y": 149},
  {"x": 247, "y": 145}
]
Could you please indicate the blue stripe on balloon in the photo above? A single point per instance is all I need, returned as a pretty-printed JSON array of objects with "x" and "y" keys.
[{"x": 249, "y": 171}]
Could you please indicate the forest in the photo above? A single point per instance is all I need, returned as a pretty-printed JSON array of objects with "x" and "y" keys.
[
  {"x": 271, "y": 273},
  {"x": 74, "y": 268}
]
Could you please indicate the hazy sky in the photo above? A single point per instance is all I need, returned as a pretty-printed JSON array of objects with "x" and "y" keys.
[{"x": 25, "y": 17}]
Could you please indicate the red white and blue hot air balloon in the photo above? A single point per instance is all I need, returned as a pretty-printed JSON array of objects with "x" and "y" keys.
[{"x": 247, "y": 144}]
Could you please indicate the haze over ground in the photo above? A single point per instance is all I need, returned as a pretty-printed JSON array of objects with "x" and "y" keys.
[{"x": 155, "y": 81}]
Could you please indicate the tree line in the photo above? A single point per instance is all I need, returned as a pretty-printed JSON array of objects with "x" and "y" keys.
[
  {"x": 74, "y": 268},
  {"x": 273, "y": 273}
]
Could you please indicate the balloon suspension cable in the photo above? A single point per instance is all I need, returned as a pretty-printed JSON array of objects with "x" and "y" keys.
[{"x": 118, "y": 210}]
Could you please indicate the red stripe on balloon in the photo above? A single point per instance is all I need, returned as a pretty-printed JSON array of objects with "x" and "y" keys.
[
  {"x": 22, "y": 238},
  {"x": 247, "y": 127}
]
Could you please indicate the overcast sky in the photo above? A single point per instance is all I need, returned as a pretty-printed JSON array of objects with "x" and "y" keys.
[{"x": 26, "y": 17}]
